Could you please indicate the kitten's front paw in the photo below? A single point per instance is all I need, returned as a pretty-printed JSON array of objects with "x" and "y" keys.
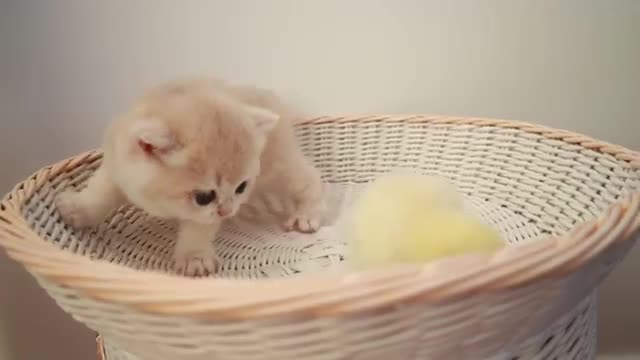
[
  {"x": 72, "y": 210},
  {"x": 197, "y": 262},
  {"x": 302, "y": 223}
]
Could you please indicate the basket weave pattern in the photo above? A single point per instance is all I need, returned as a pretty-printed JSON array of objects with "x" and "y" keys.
[{"x": 570, "y": 202}]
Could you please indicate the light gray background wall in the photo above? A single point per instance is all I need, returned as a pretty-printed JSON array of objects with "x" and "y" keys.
[{"x": 67, "y": 66}]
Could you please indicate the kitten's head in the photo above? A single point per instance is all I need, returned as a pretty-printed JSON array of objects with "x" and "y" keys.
[{"x": 199, "y": 150}]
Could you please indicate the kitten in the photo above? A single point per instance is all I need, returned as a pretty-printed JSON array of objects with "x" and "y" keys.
[{"x": 195, "y": 150}]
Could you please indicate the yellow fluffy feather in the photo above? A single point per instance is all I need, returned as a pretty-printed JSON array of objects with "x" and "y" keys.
[{"x": 412, "y": 219}]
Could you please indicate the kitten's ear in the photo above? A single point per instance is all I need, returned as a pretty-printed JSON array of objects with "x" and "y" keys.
[
  {"x": 264, "y": 119},
  {"x": 153, "y": 137}
]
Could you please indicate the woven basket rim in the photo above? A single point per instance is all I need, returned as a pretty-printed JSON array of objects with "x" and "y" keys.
[{"x": 330, "y": 293}]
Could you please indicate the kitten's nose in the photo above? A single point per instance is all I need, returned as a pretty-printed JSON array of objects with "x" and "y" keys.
[{"x": 224, "y": 211}]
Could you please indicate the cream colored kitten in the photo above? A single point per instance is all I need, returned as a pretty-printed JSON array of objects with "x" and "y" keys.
[{"x": 196, "y": 150}]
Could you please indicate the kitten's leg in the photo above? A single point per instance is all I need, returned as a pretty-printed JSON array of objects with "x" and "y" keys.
[
  {"x": 307, "y": 196},
  {"x": 92, "y": 204},
  {"x": 194, "y": 253}
]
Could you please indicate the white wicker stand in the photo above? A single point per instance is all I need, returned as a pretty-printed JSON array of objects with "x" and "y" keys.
[{"x": 568, "y": 205}]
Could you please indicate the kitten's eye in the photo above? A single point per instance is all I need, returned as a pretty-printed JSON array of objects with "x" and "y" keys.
[
  {"x": 242, "y": 187},
  {"x": 204, "y": 198}
]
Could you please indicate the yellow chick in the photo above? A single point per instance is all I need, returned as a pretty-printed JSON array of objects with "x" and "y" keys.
[{"x": 412, "y": 219}]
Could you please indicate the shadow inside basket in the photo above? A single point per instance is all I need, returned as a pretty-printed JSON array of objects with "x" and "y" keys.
[{"x": 134, "y": 239}]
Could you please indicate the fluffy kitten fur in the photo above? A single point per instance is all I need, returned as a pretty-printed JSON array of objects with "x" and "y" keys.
[{"x": 199, "y": 135}]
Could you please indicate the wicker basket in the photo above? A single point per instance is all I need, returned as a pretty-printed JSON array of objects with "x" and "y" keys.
[{"x": 570, "y": 202}]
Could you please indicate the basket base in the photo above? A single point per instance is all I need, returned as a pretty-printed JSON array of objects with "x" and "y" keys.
[{"x": 573, "y": 336}]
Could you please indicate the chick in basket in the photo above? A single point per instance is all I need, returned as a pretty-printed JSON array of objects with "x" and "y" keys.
[{"x": 404, "y": 218}]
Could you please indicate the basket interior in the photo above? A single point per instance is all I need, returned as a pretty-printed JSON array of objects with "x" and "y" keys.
[{"x": 523, "y": 184}]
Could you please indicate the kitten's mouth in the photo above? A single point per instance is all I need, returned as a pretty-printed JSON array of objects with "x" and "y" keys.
[{"x": 224, "y": 213}]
